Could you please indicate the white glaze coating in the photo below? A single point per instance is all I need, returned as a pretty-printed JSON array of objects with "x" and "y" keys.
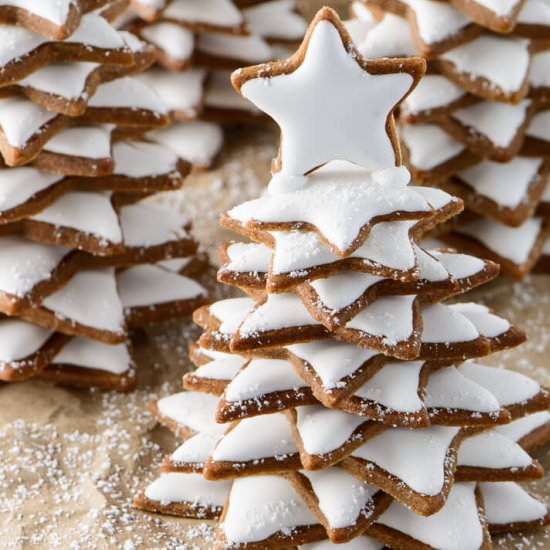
[
  {"x": 512, "y": 243},
  {"x": 332, "y": 360},
  {"x": 196, "y": 449},
  {"x": 176, "y": 487},
  {"x": 508, "y": 502},
  {"x": 260, "y": 377},
  {"x": 518, "y": 429},
  {"x": 175, "y": 40},
  {"x": 395, "y": 386},
  {"x": 55, "y": 11},
  {"x": 248, "y": 257},
  {"x": 535, "y": 12},
  {"x": 508, "y": 387},
  {"x": 90, "y": 213},
  {"x": 90, "y": 354},
  {"x": 231, "y": 313},
  {"x": 540, "y": 126},
  {"x": 20, "y": 339},
  {"x": 499, "y": 122},
  {"x": 148, "y": 285},
  {"x": 422, "y": 466},
  {"x": 219, "y": 93},
  {"x": 505, "y": 183},
  {"x": 390, "y": 318},
  {"x": 247, "y": 49},
  {"x": 391, "y": 37},
  {"x": 138, "y": 159},
  {"x": 91, "y": 299},
  {"x": 459, "y": 265},
  {"x": 448, "y": 388},
  {"x": 443, "y": 324},
  {"x": 23, "y": 264},
  {"x": 323, "y": 430},
  {"x": 253, "y": 515},
  {"x": 252, "y": 439},
  {"x": 432, "y": 92},
  {"x": 491, "y": 449},
  {"x": 342, "y": 498},
  {"x": 276, "y": 19},
  {"x": 339, "y": 200},
  {"x": 482, "y": 57},
  {"x": 359, "y": 543},
  {"x": 212, "y": 12},
  {"x": 486, "y": 323},
  {"x": 220, "y": 369},
  {"x": 540, "y": 70},
  {"x": 429, "y": 146},
  {"x": 91, "y": 142},
  {"x": 363, "y": 100},
  {"x": 455, "y": 527}
]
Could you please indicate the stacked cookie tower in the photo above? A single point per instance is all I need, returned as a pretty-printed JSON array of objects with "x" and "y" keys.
[
  {"x": 337, "y": 402},
  {"x": 477, "y": 125},
  {"x": 198, "y": 43},
  {"x": 82, "y": 258}
]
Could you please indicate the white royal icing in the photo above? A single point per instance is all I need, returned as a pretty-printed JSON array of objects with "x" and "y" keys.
[
  {"x": 388, "y": 244},
  {"x": 342, "y": 498},
  {"x": 339, "y": 200},
  {"x": 90, "y": 213},
  {"x": 253, "y": 515},
  {"x": 442, "y": 324},
  {"x": 540, "y": 126},
  {"x": 67, "y": 80},
  {"x": 343, "y": 289},
  {"x": 17, "y": 185},
  {"x": 422, "y": 466},
  {"x": 148, "y": 285},
  {"x": 486, "y": 323},
  {"x": 518, "y": 429},
  {"x": 323, "y": 430},
  {"x": 359, "y": 543},
  {"x": 395, "y": 386},
  {"x": 150, "y": 224},
  {"x": 20, "y": 119},
  {"x": 276, "y": 19},
  {"x": 197, "y": 142},
  {"x": 127, "y": 92},
  {"x": 250, "y": 48},
  {"x": 507, "y": 502},
  {"x": 332, "y": 360},
  {"x": 507, "y": 386},
  {"x": 23, "y": 264},
  {"x": 248, "y": 257},
  {"x": 260, "y": 377},
  {"x": 460, "y": 266},
  {"x": 448, "y": 388},
  {"x": 192, "y": 409},
  {"x": 482, "y": 58},
  {"x": 19, "y": 339},
  {"x": 390, "y": 318},
  {"x": 220, "y": 369},
  {"x": 180, "y": 91},
  {"x": 430, "y": 269},
  {"x": 176, "y": 487},
  {"x": 177, "y": 41},
  {"x": 55, "y": 11},
  {"x": 437, "y": 21},
  {"x": 491, "y": 449},
  {"x": 539, "y": 76},
  {"x": 142, "y": 159},
  {"x": 196, "y": 449},
  {"x": 432, "y": 92},
  {"x": 505, "y": 183},
  {"x": 279, "y": 311},
  {"x": 220, "y": 94},
  {"x": 429, "y": 146},
  {"x": 501, "y": 8},
  {"x": 455, "y": 527},
  {"x": 90, "y": 354},
  {"x": 535, "y": 12},
  {"x": 391, "y": 37},
  {"x": 499, "y": 122},
  {"x": 230, "y": 313},
  {"x": 512, "y": 243},
  {"x": 212, "y": 12},
  {"x": 92, "y": 142},
  {"x": 364, "y": 101},
  {"x": 263, "y": 436},
  {"x": 89, "y": 298}
]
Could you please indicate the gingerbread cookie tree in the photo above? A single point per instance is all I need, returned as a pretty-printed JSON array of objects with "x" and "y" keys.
[
  {"x": 198, "y": 43},
  {"x": 476, "y": 125},
  {"x": 82, "y": 258},
  {"x": 338, "y": 401}
]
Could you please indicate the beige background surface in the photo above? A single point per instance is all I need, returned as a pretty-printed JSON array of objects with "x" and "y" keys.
[{"x": 70, "y": 461}]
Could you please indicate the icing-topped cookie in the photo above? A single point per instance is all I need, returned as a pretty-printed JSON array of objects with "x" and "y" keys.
[{"x": 379, "y": 86}]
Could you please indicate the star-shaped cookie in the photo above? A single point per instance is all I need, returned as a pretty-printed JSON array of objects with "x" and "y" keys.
[{"x": 325, "y": 85}]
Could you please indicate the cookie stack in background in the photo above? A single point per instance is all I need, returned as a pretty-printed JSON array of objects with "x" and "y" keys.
[
  {"x": 83, "y": 259},
  {"x": 477, "y": 126},
  {"x": 337, "y": 402},
  {"x": 198, "y": 44}
]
